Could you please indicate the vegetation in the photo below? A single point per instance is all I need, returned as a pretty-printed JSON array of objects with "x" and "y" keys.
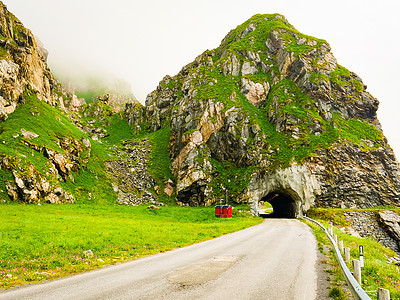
[
  {"x": 118, "y": 130},
  {"x": 228, "y": 177},
  {"x": 255, "y": 40},
  {"x": 40, "y": 118},
  {"x": 377, "y": 271},
  {"x": 91, "y": 184},
  {"x": 336, "y": 277},
  {"x": 286, "y": 100},
  {"x": 48, "y": 241},
  {"x": 337, "y": 293},
  {"x": 90, "y": 94}
]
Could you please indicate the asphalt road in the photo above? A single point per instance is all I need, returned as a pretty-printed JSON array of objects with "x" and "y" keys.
[{"x": 274, "y": 260}]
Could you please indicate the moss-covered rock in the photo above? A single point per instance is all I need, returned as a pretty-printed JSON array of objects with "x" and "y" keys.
[{"x": 274, "y": 105}]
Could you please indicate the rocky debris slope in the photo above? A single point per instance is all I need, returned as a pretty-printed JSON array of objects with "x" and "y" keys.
[
  {"x": 271, "y": 110},
  {"x": 130, "y": 174}
]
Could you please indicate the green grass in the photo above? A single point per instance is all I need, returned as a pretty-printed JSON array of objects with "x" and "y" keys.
[
  {"x": 337, "y": 293},
  {"x": 44, "y": 242},
  {"x": 255, "y": 40},
  {"x": 91, "y": 182},
  {"x": 159, "y": 158},
  {"x": 38, "y": 117},
  {"x": 233, "y": 178},
  {"x": 336, "y": 277},
  {"x": 377, "y": 272},
  {"x": 118, "y": 130},
  {"x": 3, "y": 53},
  {"x": 342, "y": 77},
  {"x": 159, "y": 161}
]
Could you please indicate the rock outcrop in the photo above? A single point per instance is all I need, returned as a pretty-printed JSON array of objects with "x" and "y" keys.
[
  {"x": 22, "y": 66},
  {"x": 32, "y": 186},
  {"x": 99, "y": 86},
  {"x": 271, "y": 111},
  {"x": 370, "y": 224},
  {"x": 390, "y": 221}
]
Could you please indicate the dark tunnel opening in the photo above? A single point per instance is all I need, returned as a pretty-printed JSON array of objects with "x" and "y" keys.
[{"x": 283, "y": 205}]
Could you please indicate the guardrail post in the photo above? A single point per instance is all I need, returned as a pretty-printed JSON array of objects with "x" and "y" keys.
[
  {"x": 335, "y": 238},
  {"x": 346, "y": 254},
  {"x": 357, "y": 270},
  {"x": 383, "y": 294},
  {"x": 341, "y": 246},
  {"x": 361, "y": 256}
]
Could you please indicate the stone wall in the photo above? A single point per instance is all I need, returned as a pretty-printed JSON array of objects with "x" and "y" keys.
[{"x": 374, "y": 225}]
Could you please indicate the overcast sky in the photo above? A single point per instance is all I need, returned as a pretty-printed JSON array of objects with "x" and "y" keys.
[{"x": 141, "y": 41}]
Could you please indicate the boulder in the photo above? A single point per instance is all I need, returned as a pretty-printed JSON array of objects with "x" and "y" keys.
[{"x": 391, "y": 222}]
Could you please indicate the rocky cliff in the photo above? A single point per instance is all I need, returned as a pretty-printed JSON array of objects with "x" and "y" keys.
[
  {"x": 22, "y": 65},
  {"x": 271, "y": 111},
  {"x": 41, "y": 151}
]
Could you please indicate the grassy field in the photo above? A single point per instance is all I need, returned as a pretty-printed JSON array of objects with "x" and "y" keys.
[
  {"x": 48, "y": 241},
  {"x": 377, "y": 271}
]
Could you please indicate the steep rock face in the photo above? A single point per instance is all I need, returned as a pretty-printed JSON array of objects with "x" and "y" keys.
[
  {"x": 135, "y": 115},
  {"x": 26, "y": 83},
  {"x": 22, "y": 65},
  {"x": 271, "y": 110}
]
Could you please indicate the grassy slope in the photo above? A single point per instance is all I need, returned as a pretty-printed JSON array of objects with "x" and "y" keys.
[
  {"x": 51, "y": 125},
  {"x": 44, "y": 242},
  {"x": 377, "y": 272}
]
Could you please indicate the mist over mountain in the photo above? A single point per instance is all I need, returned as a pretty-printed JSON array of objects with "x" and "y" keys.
[{"x": 91, "y": 86}]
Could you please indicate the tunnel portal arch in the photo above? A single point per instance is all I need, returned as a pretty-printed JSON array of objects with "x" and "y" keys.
[{"x": 284, "y": 204}]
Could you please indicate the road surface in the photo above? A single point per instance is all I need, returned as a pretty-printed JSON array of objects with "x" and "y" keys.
[{"x": 274, "y": 260}]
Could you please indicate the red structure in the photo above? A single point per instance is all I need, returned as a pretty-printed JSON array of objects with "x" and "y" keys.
[
  {"x": 218, "y": 211},
  {"x": 226, "y": 211}
]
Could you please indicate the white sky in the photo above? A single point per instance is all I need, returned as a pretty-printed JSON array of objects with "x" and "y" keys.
[{"x": 141, "y": 41}]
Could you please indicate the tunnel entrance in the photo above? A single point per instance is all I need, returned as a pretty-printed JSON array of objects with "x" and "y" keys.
[{"x": 283, "y": 205}]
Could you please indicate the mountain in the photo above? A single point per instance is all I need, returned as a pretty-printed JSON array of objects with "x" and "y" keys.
[{"x": 271, "y": 113}]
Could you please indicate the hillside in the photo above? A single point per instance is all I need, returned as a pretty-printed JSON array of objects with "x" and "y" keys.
[{"x": 54, "y": 148}]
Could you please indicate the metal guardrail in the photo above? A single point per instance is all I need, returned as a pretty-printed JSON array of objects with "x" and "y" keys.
[{"x": 355, "y": 288}]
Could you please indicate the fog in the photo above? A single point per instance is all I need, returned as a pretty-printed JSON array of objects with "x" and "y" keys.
[{"x": 142, "y": 41}]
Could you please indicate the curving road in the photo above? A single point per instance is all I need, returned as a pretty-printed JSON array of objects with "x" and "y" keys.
[{"x": 274, "y": 260}]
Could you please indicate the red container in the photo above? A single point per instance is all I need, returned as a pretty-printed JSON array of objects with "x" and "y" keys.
[
  {"x": 218, "y": 211},
  {"x": 226, "y": 211}
]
